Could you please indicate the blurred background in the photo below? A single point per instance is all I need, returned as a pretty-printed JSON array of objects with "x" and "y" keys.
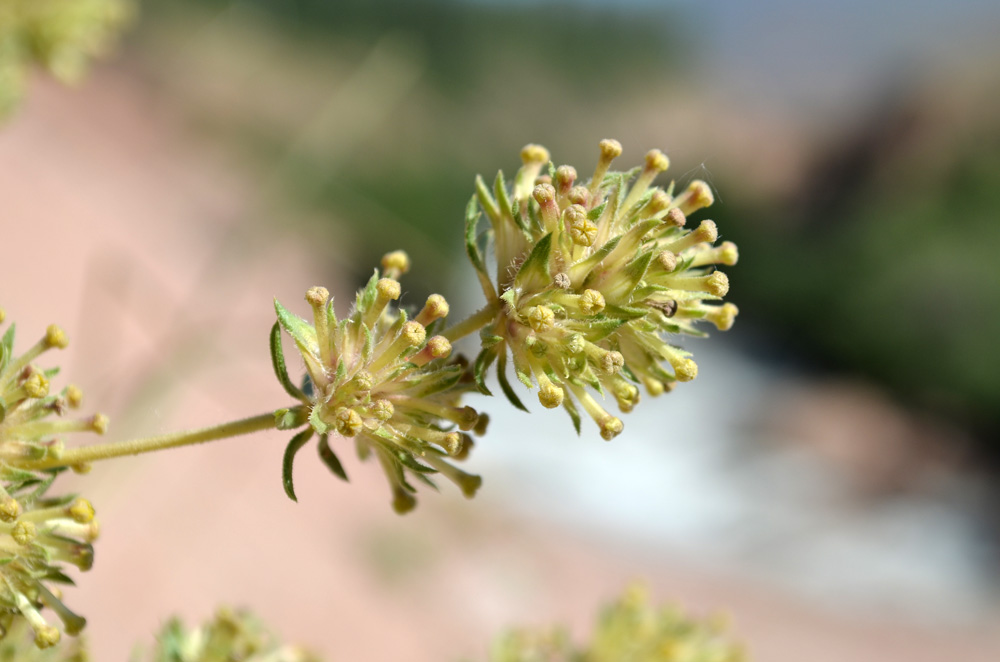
[{"x": 830, "y": 480}]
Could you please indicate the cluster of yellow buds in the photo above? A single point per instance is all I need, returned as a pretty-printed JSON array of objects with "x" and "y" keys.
[
  {"x": 60, "y": 35},
  {"x": 591, "y": 279},
  {"x": 38, "y": 533},
  {"x": 630, "y": 629},
  {"x": 384, "y": 380}
]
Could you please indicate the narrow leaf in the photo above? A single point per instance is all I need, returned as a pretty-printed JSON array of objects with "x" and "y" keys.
[
  {"x": 293, "y": 447},
  {"x": 504, "y": 384},
  {"x": 481, "y": 368},
  {"x": 278, "y": 362}
]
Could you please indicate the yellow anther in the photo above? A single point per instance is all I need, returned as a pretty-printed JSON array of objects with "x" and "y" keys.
[
  {"x": 541, "y": 318},
  {"x": 397, "y": 262},
  {"x": 24, "y": 532},
  {"x": 550, "y": 395},
  {"x": 685, "y": 369},
  {"x": 657, "y": 160},
  {"x": 697, "y": 196},
  {"x": 47, "y": 636},
  {"x": 591, "y": 302},
  {"x": 435, "y": 309},
  {"x": 10, "y": 509},
  {"x": 657, "y": 203},
  {"x": 729, "y": 254},
  {"x": 452, "y": 443},
  {"x": 347, "y": 422},
  {"x": 610, "y": 149},
  {"x": 717, "y": 284},
  {"x": 724, "y": 316},
  {"x": 544, "y": 194},
  {"x": 611, "y": 427},
  {"x": 565, "y": 176},
  {"x": 388, "y": 289},
  {"x": 383, "y": 410},
  {"x": 583, "y": 233},
  {"x": 36, "y": 386},
  {"x": 667, "y": 260},
  {"x": 82, "y": 468},
  {"x": 676, "y": 218},
  {"x": 74, "y": 396},
  {"x": 612, "y": 362},
  {"x": 413, "y": 333},
  {"x": 81, "y": 511},
  {"x": 99, "y": 423},
  {"x": 532, "y": 153},
  {"x": 3, "y": 315},
  {"x": 55, "y": 337},
  {"x": 439, "y": 347},
  {"x": 317, "y": 296},
  {"x": 363, "y": 381}
]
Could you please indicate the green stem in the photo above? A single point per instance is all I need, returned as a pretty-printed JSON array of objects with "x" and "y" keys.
[
  {"x": 471, "y": 324},
  {"x": 95, "y": 452}
]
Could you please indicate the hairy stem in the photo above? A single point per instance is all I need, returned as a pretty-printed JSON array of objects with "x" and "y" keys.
[
  {"x": 95, "y": 452},
  {"x": 471, "y": 324}
]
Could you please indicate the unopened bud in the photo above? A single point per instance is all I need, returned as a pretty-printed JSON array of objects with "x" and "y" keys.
[
  {"x": 388, "y": 289},
  {"x": 81, "y": 511},
  {"x": 591, "y": 302},
  {"x": 317, "y": 296},
  {"x": 717, "y": 284},
  {"x": 550, "y": 395},
  {"x": 347, "y": 422},
  {"x": 532, "y": 153},
  {"x": 99, "y": 423},
  {"x": 395, "y": 263},
  {"x": 657, "y": 160},
  {"x": 55, "y": 337},
  {"x": 611, "y": 427},
  {"x": 541, "y": 318}
]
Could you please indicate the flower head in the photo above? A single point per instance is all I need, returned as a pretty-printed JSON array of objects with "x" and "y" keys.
[
  {"x": 594, "y": 277},
  {"x": 230, "y": 635},
  {"x": 629, "y": 629},
  {"x": 60, "y": 35},
  {"x": 38, "y": 533},
  {"x": 384, "y": 380}
]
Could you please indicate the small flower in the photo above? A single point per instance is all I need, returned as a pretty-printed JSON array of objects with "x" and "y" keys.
[
  {"x": 594, "y": 278},
  {"x": 385, "y": 381},
  {"x": 40, "y": 533}
]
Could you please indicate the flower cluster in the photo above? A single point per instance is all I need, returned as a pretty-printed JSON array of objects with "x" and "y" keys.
[
  {"x": 591, "y": 279},
  {"x": 631, "y": 629},
  {"x": 60, "y": 35},
  {"x": 230, "y": 635},
  {"x": 382, "y": 379},
  {"x": 38, "y": 533}
]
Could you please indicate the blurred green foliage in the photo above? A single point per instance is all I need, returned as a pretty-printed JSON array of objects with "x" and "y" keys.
[{"x": 886, "y": 262}]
